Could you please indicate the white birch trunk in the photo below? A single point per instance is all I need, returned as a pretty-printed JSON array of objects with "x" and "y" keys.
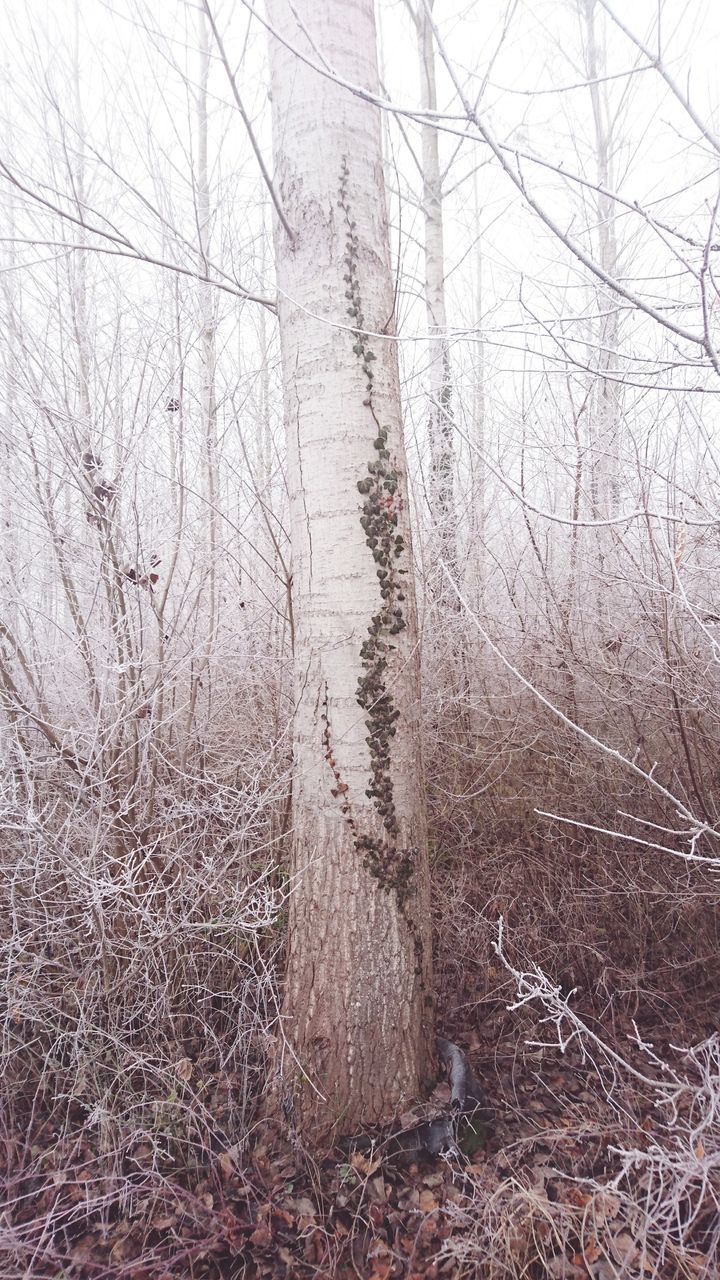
[{"x": 358, "y": 1010}]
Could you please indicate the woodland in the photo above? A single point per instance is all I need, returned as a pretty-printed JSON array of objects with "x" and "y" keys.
[{"x": 359, "y": 640}]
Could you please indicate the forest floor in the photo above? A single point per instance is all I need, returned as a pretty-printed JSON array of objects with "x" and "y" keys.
[
  {"x": 537, "y": 1199},
  {"x": 603, "y": 1162}
]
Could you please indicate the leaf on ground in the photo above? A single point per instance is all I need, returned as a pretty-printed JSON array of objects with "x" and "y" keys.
[
  {"x": 381, "y": 1269},
  {"x": 124, "y": 1247},
  {"x": 315, "y": 1247},
  {"x": 624, "y": 1248},
  {"x": 261, "y": 1236},
  {"x": 163, "y": 1223},
  {"x": 560, "y": 1268},
  {"x": 605, "y": 1207},
  {"x": 84, "y": 1249},
  {"x": 410, "y": 1200},
  {"x": 376, "y": 1190},
  {"x": 581, "y": 1199},
  {"x": 591, "y": 1251},
  {"x": 302, "y": 1206},
  {"x": 362, "y": 1164},
  {"x": 284, "y": 1216},
  {"x": 381, "y": 1261}
]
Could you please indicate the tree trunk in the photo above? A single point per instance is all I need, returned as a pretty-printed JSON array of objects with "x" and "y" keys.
[
  {"x": 358, "y": 1006},
  {"x": 442, "y": 454},
  {"x": 606, "y": 409},
  {"x": 207, "y": 304}
]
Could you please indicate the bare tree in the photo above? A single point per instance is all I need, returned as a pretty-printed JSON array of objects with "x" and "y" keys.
[
  {"x": 605, "y": 408},
  {"x": 440, "y": 389}
]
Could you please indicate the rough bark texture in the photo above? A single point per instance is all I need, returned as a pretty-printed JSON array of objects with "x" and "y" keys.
[{"x": 358, "y": 1008}]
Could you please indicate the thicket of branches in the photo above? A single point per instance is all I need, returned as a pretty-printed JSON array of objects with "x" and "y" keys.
[{"x": 569, "y": 599}]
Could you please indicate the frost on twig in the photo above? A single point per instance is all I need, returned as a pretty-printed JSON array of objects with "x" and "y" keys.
[{"x": 669, "y": 1179}]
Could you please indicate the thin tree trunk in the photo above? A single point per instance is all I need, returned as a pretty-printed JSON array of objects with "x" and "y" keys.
[
  {"x": 358, "y": 1004},
  {"x": 476, "y": 558},
  {"x": 440, "y": 421},
  {"x": 605, "y": 417},
  {"x": 208, "y": 361}
]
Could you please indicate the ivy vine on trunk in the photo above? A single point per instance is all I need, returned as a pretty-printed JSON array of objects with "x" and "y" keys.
[{"x": 391, "y": 866}]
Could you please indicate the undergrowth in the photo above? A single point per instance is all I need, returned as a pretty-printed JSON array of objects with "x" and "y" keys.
[
  {"x": 140, "y": 997},
  {"x": 141, "y": 1014}
]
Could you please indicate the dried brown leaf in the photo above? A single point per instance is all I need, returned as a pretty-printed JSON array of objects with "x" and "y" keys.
[
  {"x": 428, "y": 1203},
  {"x": 261, "y": 1236},
  {"x": 362, "y": 1164}
]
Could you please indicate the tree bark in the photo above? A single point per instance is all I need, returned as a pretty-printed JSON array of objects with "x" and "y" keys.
[
  {"x": 606, "y": 408},
  {"x": 358, "y": 1006},
  {"x": 442, "y": 453}
]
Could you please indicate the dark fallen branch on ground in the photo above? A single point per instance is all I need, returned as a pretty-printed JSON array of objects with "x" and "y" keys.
[
  {"x": 462, "y": 1124},
  {"x": 466, "y": 1092}
]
